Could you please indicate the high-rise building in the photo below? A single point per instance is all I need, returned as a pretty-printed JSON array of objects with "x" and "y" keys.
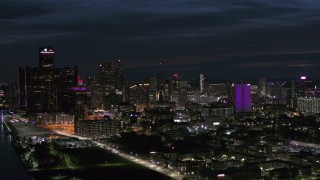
[
  {"x": 8, "y": 95},
  {"x": 262, "y": 85},
  {"x": 254, "y": 90},
  {"x": 96, "y": 93},
  {"x": 292, "y": 96},
  {"x": 159, "y": 88},
  {"x": 108, "y": 88},
  {"x": 107, "y": 82},
  {"x": 97, "y": 128},
  {"x": 308, "y": 105},
  {"x": 217, "y": 89},
  {"x": 277, "y": 94},
  {"x": 65, "y": 80},
  {"x": 82, "y": 97},
  {"x": 201, "y": 83},
  {"x": 243, "y": 98},
  {"x": 139, "y": 95},
  {"x": 153, "y": 89},
  {"x": 35, "y": 91},
  {"x": 46, "y": 57},
  {"x": 46, "y": 89},
  {"x": 231, "y": 92},
  {"x": 174, "y": 88},
  {"x": 178, "y": 91}
]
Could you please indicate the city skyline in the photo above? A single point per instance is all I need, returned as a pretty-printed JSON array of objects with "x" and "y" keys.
[{"x": 221, "y": 39}]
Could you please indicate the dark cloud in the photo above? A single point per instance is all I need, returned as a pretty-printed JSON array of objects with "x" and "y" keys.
[
  {"x": 221, "y": 37},
  {"x": 12, "y": 10}
]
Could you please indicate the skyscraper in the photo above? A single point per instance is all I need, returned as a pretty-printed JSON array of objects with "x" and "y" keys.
[
  {"x": 161, "y": 87},
  {"x": 308, "y": 105},
  {"x": 109, "y": 87},
  {"x": 139, "y": 95},
  {"x": 243, "y": 98},
  {"x": 46, "y": 89},
  {"x": 46, "y": 57},
  {"x": 65, "y": 80},
  {"x": 152, "y": 89},
  {"x": 262, "y": 84},
  {"x": 201, "y": 83}
]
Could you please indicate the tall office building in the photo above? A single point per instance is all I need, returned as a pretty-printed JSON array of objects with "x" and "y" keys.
[
  {"x": 231, "y": 92},
  {"x": 292, "y": 96},
  {"x": 65, "y": 80},
  {"x": 109, "y": 87},
  {"x": 94, "y": 89},
  {"x": 308, "y": 105},
  {"x": 174, "y": 88},
  {"x": 34, "y": 91},
  {"x": 36, "y": 85},
  {"x": 276, "y": 94},
  {"x": 262, "y": 85},
  {"x": 201, "y": 83},
  {"x": 139, "y": 95},
  {"x": 46, "y": 57},
  {"x": 178, "y": 91},
  {"x": 82, "y": 97},
  {"x": 107, "y": 82},
  {"x": 46, "y": 89},
  {"x": 159, "y": 88},
  {"x": 243, "y": 98},
  {"x": 152, "y": 89}
]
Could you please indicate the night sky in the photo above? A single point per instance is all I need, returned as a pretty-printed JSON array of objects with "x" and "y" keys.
[{"x": 224, "y": 39}]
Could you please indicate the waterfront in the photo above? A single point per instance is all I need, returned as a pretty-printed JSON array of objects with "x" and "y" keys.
[
  {"x": 10, "y": 167},
  {"x": 73, "y": 162}
]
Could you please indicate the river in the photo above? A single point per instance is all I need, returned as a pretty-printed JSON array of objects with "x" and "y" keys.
[{"x": 10, "y": 165}]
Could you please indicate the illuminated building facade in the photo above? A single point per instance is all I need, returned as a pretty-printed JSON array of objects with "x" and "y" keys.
[
  {"x": 262, "y": 85},
  {"x": 97, "y": 128},
  {"x": 178, "y": 91},
  {"x": 201, "y": 83},
  {"x": 276, "y": 94},
  {"x": 174, "y": 88},
  {"x": 46, "y": 57},
  {"x": 138, "y": 95},
  {"x": 65, "y": 80},
  {"x": 243, "y": 98},
  {"x": 34, "y": 91},
  {"x": 46, "y": 89},
  {"x": 108, "y": 88},
  {"x": 152, "y": 89},
  {"x": 96, "y": 94},
  {"x": 82, "y": 96},
  {"x": 308, "y": 105},
  {"x": 8, "y": 95},
  {"x": 158, "y": 89}
]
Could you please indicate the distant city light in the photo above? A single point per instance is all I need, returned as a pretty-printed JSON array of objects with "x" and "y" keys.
[
  {"x": 79, "y": 88},
  {"x": 175, "y": 75},
  {"x": 303, "y": 77},
  {"x": 46, "y": 52}
]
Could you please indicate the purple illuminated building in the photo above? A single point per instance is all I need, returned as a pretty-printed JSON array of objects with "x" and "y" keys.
[{"x": 243, "y": 98}]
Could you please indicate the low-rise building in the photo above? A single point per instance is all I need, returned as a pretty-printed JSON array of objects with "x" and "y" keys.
[{"x": 97, "y": 128}]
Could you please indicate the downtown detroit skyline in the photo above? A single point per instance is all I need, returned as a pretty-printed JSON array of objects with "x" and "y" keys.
[{"x": 224, "y": 39}]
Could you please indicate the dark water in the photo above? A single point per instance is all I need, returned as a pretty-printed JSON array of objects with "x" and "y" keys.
[{"x": 10, "y": 165}]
